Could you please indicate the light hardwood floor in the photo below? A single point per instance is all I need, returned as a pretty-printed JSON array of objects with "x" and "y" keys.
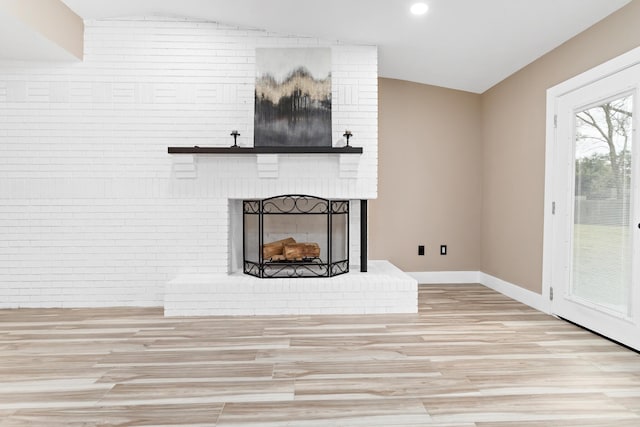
[{"x": 471, "y": 357}]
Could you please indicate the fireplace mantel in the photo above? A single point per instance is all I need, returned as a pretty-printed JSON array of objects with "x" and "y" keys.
[
  {"x": 266, "y": 158},
  {"x": 264, "y": 150}
]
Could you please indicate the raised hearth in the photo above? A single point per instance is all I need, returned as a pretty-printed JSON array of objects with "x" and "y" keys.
[{"x": 383, "y": 289}]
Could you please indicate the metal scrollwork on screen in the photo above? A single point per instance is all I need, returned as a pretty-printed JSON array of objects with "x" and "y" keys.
[
  {"x": 294, "y": 204},
  {"x": 339, "y": 268},
  {"x": 339, "y": 206},
  {"x": 251, "y": 206},
  {"x": 252, "y": 268},
  {"x": 295, "y": 270}
]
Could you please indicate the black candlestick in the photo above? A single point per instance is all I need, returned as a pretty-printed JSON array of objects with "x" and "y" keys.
[
  {"x": 347, "y": 134},
  {"x": 235, "y": 134}
]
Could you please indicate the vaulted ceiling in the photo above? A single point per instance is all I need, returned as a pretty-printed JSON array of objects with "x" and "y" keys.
[{"x": 462, "y": 44}]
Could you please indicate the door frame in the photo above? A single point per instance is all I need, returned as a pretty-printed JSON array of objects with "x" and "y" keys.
[{"x": 599, "y": 72}]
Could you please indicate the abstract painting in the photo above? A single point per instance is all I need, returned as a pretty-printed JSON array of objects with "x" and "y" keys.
[{"x": 293, "y": 97}]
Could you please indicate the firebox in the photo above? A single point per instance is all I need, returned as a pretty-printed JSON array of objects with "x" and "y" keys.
[{"x": 295, "y": 236}]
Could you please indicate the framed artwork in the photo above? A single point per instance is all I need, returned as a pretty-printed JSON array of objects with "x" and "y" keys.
[{"x": 293, "y": 97}]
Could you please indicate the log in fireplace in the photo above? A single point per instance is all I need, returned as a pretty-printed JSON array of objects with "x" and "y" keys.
[{"x": 295, "y": 236}]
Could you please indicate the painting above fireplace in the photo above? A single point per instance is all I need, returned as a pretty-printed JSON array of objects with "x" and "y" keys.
[{"x": 293, "y": 97}]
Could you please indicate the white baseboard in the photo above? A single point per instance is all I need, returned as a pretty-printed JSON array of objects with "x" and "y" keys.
[
  {"x": 445, "y": 277},
  {"x": 510, "y": 290},
  {"x": 515, "y": 292}
]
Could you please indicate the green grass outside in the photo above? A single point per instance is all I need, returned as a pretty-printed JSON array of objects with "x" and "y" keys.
[{"x": 602, "y": 264}]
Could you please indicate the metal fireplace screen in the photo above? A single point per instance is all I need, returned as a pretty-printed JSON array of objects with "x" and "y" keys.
[{"x": 295, "y": 236}]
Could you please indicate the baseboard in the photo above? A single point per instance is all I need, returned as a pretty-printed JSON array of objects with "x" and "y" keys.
[
  {"x": 445, "y": 277},
  {"x": 510, "y": 290},
  {"x": 515, "y": 292}
]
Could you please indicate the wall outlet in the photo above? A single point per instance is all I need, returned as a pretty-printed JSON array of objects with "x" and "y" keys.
[
  {"x": 443, "y": 249},
  {"x": 421, "y": 250}
]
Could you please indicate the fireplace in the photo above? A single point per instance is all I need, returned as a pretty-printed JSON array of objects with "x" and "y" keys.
[
  {"x": 295, "y": 236},
  {"x": 208, "y": 186}
]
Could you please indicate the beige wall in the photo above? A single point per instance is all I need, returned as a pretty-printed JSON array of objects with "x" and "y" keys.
[
  {"x": 468, "y": 170},
  {"x": 51, "y": 18},
  {"x": 429, "y": 178},
  {"x": 513, "y": 121}
]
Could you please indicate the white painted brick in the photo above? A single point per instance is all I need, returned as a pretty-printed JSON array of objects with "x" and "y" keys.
[
  {"x": 242, "y": 295},
  {"x": 95, "y": 212}
]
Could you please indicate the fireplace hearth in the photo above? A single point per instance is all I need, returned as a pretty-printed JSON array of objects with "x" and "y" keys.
[{"x": 295, "y": 236}]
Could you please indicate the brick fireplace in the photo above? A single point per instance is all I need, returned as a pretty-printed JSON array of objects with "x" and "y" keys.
[
  {"x": 236, "y": 178},
  {"x": 382, "y": 289},
  {"x": 101, "y": 215}
]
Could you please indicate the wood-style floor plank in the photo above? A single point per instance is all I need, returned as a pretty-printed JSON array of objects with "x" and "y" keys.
[{"x": 469, "y": 358}]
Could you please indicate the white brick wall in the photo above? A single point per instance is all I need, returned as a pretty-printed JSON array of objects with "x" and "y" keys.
[{"x": 94, "y": 212}]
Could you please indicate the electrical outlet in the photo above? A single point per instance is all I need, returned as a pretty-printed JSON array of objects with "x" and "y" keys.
[
  {"x": 443, "y": 249},
  {"x": 421, "y": 250}
]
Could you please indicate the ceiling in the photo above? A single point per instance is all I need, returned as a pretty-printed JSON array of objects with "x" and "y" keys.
[{"x": 462, "y": 44}]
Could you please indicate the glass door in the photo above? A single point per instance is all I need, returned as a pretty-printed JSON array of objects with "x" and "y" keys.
[
  {"x": 601, "y": 252},
  {"x": 594, "y": 275}
]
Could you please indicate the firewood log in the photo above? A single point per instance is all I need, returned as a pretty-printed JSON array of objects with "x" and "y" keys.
[
  {"x": 275, "y": 248},
  {"x": 299, "y": 251}
]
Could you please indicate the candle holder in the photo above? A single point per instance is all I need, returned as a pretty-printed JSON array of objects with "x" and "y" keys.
[
  {"x": 235, "y": 134},
  {"x": 347, "y": 134}
]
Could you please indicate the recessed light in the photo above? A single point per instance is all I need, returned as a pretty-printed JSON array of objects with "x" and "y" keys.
[{"x": 419, "y": 8}]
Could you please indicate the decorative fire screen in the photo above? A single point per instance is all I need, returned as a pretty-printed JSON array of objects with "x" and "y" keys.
[{"x": 295, "y": 236}]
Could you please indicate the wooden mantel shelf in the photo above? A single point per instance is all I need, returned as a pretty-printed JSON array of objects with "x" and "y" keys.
[{"x": 265, "y": 150}]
